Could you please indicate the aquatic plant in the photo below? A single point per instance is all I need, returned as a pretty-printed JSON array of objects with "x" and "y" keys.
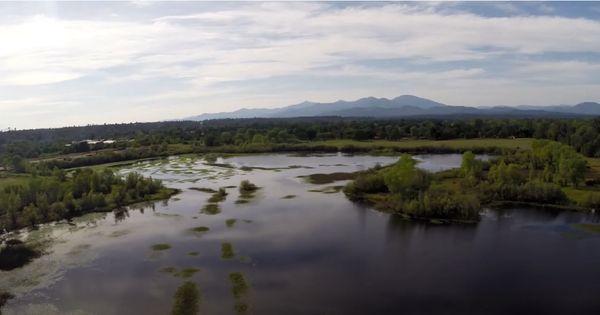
[
  {"x": 183, "y": 273},
  {"x": 186, "y": 300},
  {"x": 200, "y": 229},
  {"x": 211, "y": 209},
  {"x": 227, "y": 251},
  {"x": 166, "y": 215},
  {"x": 230, "y": 222},
  {"x": 160, "y": 247},
  {"x": 168, "y": 269},
  {"x": 119, "y": 233},
  {"x": 246, "y": 186},
  {"x": 247, "y": 190},
  {"x": 328, "y": 189},
  {"x": 203, "y": 189},
  {"x": 193, "y": 253},
  {"x": 218, "y": 196},
  {"x": 239, "y": 285},
  {"x": 320, "y": 179},
  {"x": 240, "y": 307},
  {"x": 186, "y": 272}
]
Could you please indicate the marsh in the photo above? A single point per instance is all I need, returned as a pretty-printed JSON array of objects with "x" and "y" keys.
[{"x": 317, "y": 252}]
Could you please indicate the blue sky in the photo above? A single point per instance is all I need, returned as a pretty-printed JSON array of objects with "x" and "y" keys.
[{"x": 75, "y": 63}]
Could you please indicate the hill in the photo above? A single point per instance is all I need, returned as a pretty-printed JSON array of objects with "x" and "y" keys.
[{"x": 402, "y": 106}]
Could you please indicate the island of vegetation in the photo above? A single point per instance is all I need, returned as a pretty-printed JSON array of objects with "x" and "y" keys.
[
  {"x": 540, "y": 176},
  {"x": 53, "y": 195}
]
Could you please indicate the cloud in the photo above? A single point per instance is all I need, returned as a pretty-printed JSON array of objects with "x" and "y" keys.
[{"x": 196, "y": 54}]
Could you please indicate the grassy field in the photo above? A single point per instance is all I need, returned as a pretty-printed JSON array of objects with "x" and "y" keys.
[
  {"x": 594, "y": 168},
  {"x": 580, "y": 195},
  {"x": 520, "y": 143},
  {"x": 7, "y": 179}
]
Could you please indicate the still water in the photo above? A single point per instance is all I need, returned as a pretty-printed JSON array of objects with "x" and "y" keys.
[{"x": 313, "y": 252}]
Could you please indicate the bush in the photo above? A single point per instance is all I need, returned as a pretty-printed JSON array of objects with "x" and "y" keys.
[
  {"x": 439, "y": 203},
  {"x": 369, "y": 183}
]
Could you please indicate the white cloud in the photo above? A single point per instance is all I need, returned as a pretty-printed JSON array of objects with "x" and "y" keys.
[{"x": 197, "y": 52}]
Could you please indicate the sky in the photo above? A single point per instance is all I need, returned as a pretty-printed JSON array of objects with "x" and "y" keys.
[{"x": 78, "y": 63}]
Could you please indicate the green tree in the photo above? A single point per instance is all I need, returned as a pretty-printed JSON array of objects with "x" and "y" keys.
[{"x": 404, "y": 178}]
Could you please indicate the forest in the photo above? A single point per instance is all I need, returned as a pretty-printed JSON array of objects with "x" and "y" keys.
[
  {"x": 581, "y": 134},
  {"x": 538, "y": 176}
]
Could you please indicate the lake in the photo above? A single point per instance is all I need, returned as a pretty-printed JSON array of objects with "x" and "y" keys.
[{"x": 305, "y": 249}]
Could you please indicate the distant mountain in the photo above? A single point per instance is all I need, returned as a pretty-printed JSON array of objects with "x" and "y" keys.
[{"x": 402, "y": 106}]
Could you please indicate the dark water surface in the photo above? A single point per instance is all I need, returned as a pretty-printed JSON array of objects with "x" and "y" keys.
[{"x": 316, "y": 253}]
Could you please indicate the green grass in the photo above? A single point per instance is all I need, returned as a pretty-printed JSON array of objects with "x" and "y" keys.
[
  {"x": 7, "y": 179},
  {"x": 594, "y": 171},
  {"x": 580, "y": 195},
  {"x": 160, "y": 247},
  {"x": 459, "y": 144}
]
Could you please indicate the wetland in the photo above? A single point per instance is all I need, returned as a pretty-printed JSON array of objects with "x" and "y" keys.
[{"x": 274, "y": 234}]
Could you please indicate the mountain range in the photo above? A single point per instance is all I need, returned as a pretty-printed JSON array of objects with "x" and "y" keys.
[{"x": 403, "y": 106}]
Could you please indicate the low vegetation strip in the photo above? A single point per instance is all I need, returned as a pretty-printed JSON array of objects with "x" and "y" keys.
[
  {"x": 320, "y": 179},
  {"x": 110, "y": 157},
  {"x": 453, "y": 144}
]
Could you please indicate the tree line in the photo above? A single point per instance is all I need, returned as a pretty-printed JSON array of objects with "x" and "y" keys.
[{"x": 581, "y": 134}]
